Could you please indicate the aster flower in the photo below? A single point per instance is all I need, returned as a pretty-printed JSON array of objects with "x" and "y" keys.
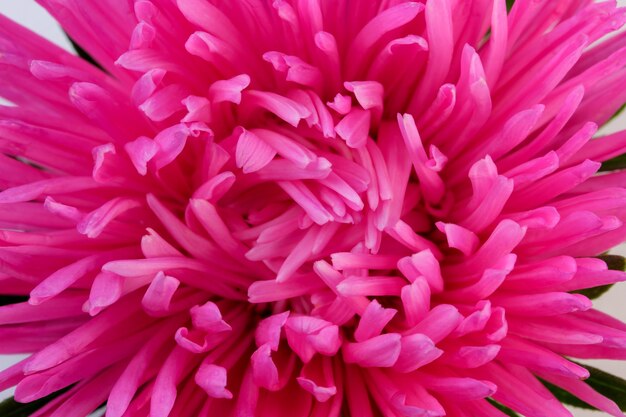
[{"x": 310, "y": 207}]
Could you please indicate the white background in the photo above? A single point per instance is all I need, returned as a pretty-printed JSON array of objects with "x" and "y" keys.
[{"x": 28, "y": 13}]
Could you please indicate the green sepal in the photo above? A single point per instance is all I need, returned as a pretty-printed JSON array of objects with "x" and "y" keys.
[
  {"x": 565, "y": 397},
  {"x": 595, "y": 292},
  {"x": 504, "y": 409},
  {"x": 11, "y": 408},
  {"x": 613, "y": 262},
  {"x": 84, "y": 54},
  {"x": 619, "y": 162},
  {"x": 614, "y": 164},
  {"x": 509, "y": 4},
  {"x": 611, "y": 386},
  {"x": 618, "y": 112},
  {"x": 12, "y": 299}
]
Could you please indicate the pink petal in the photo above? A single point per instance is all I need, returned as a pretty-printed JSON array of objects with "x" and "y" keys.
[
  {"x": 354, "y": 128},
  {"x": 158, "y": 296},
  {"x": 252, "y": 153},
  {"x": 212, "y": 379},
  {"x": 416, "y": 351},
  {"x": 229, "y": 90},
  {"x": 373, "y": 321},
  {"x": 268, "y": 330},
  {"x": 381, "y": 351},
  {"x": 264, "y": 370}
]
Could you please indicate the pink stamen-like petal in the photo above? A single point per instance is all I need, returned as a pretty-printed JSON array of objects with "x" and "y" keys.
[
  {"x": 212, "y": 379},
  {"x": 381, "y": 351}
]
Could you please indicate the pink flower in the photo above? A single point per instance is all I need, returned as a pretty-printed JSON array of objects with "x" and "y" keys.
[{"x": 310, "y": 207}]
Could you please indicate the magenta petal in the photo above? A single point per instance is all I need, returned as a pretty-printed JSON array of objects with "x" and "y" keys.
[
  {"x": 252, "y": 152},
  {"x": 311, "y": 208},
  {"x": 354, "y": 128},
  {"x": 159, "y": 294},
  {"x": 321, "y": 394},
  {"x": 208, "y": 318},
  {"x": 212, "y": 379},
  {"x": 264, "y": 370},
  {"x": 416, "y": 351},
  {"x": 269, "y": 329},
  {"x": 141, "y": 151},
  {"x": 229, "y": 90},
  {"x": 309, "y": 335},
  {"x": 380, "y": 351},
  {"x": 373, "y": 321},
  {"x": 462, "y": 388}
]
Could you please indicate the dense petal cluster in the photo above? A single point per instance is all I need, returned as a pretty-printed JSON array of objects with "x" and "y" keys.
[{"x": 310, "y": 207}]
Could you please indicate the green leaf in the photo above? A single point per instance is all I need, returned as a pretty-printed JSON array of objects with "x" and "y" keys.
[
  {"x": 84, "y": 54},
  {"x": 619, "y": 162},
  {"x": 12, "y": 299},
  {"x": 509, "y": 4},
  {"x": 610, "y": 386},
  {"x": 503, "y": 408},
  {"x": 11, "y": 408},
  {"x": 595, "y": 292},
  {"x": 618, "y": 112},
  {"x": 566, "y": 397},
  {"x": 613, "y": 262}
]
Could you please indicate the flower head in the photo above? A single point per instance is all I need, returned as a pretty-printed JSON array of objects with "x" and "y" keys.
[{"x": 310, "y": 207}]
